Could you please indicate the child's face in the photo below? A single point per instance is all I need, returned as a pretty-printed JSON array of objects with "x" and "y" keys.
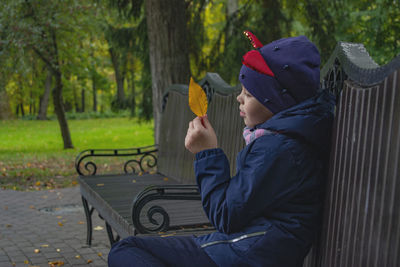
[{"x": 252, "y": 111}]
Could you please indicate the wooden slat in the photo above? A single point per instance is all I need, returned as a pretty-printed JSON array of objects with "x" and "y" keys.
[{"x": 361, "y": 221}]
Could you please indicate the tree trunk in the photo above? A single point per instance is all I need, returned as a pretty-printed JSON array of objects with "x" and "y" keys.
[
  {"x": 83, "y": 100},
  {"x": 169, "y": 60},
  {"x": 59, "y": 110},
  {"x": 231, "y": 9},
  {"x": 94, "y": 93},
  {"x": 44, "y": 100},
  {"x": 119, "y": 76}
]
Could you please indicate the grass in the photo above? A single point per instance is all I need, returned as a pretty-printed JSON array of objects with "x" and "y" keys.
[{"x": 32, "y": 155}]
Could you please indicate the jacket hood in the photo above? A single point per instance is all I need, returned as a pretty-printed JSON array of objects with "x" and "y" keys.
[{"x": 309, "y": 121}]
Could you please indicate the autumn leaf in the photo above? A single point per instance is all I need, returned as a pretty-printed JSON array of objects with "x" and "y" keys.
[
  {"x": 37, "y": 251},
  {"x": 60, "y": 224},
  {"x": 89, "y": 261},
  {"x": 197, "y": 99}
]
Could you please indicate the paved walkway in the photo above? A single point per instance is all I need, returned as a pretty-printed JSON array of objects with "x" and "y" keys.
[{"x": 48, "y": 226}]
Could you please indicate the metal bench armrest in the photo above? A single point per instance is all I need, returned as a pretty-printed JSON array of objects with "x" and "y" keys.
[
  {"x": 141, "y": 159},
  {"x": 166, "y": 192}
]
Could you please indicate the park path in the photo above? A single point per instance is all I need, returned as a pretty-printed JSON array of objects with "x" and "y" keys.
[{"x": 48, "y": 226}]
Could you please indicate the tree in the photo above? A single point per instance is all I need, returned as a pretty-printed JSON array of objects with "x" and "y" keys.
[{"x": 43, "y": 26}]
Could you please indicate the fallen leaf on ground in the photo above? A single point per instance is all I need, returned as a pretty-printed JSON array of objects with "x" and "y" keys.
[
  {"x": 100, "y": 254},
  {"x": 58, "y": 250},
  {"x": 37, "y": 251},
  {"x": 38, "y": 183},
  {"x": 74, "y": 182},
  {"x": 26, "y": 262},
  {"x": 98, "y": 228},
  {"x": 133, "y": 181},
  {"x": 100, "y": 184},
  {"x": 32, "y": 207},
  {"x": 44, "y": 246},
  {"x": 60, "y": 224},
  {"x": 59, "y": 217},
  {"x": 56, "y": 263},
  {"x": 89, "y": 261},
  {"x": 81, "y": 222},
  {"x": 78, "y": 256},
  {"x": 165, "y": 178}
]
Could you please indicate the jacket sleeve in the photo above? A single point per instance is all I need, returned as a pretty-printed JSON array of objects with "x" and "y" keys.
[{"x": 266, "y": 178}]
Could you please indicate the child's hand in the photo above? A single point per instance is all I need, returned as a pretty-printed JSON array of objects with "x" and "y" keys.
[{"x": 200, "y": 135}]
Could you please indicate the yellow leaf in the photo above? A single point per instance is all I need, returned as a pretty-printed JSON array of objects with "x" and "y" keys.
[
  {"x": 26, "y": 262},
  {"x": 78, "y": 256},
  {"x": 37, "y": 251},
  {"x": 100, "y": 184},
  {"x": 60, "y": 224},
  {"x": 44, "y": 246},
  {"x": 89, "y": 261},
  {"x": 197, "y": 99},
  {"x": 38, "y": 183},
  {"x": 133, "y": 181},
  {"x": 98, "y": 228},
  {"x": 100, "y": 254},
  {"x": 165, "y": 179},
  {"x": 58, "y": 250},
  {"x": 81, "y": 222},
  {"x": 74, "y": 182}
]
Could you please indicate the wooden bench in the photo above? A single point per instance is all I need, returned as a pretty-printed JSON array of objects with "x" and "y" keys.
[
  {"x": 123, "y": 200},
  {"x": 361, "y": 222}
]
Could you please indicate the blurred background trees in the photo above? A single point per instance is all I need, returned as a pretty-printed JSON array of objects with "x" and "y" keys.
[{"x": 65, "y": 57}]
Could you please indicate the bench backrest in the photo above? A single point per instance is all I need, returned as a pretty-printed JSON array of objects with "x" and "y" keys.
[
  {"x": 223, "y": 112},
  {"x": 361, "y": 224}
]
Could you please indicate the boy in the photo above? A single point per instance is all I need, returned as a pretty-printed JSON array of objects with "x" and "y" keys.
[{"x": 268, "y": 213}]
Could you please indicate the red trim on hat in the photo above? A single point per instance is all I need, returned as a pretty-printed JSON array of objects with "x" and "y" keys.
[
  {"x": 254, "y": 60},
  {"x": 253, "y": 39}
]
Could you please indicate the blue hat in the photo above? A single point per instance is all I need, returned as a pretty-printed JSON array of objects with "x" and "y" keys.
[{"x": 282, "y": 73}]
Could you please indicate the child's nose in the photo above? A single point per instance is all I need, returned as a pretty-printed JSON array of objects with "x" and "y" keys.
[{"x": 239, "y": 98}]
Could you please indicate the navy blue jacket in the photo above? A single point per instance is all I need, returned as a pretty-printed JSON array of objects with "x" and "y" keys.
[{"x": 269, "y": 212}]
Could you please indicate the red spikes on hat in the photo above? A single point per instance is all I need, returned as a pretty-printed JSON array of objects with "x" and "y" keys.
[
  {"x": 253, "y": 39},
  {"x": 254, "y": 60}
]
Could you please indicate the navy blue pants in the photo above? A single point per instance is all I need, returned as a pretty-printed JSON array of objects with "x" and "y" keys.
[{"x": 158, "y": 251}]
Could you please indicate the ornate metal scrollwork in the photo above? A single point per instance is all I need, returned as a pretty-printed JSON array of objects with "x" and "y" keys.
[
  {"x": 334, "y": 78},
  {"x": 145, "y": 160},
  {"x": 172, "y": 192}
]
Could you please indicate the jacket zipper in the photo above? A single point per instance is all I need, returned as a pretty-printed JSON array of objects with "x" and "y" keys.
[{"x": 233, "y": 240}]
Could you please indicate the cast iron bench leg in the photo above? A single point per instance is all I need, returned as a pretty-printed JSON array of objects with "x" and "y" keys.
[
  {"x": 111, "y": 235},
  {"x": 88, "y": 214}
]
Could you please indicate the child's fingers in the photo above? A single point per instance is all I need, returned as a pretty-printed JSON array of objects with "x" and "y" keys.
[
  {"x": 206, "y": 122},
  {"x": 197, "y": 123}
]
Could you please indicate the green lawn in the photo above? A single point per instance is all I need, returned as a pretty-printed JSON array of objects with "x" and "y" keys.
[{"x": 32, "y": 155}]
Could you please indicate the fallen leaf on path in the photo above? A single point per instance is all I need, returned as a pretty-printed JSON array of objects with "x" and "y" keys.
[
  {"x": 59, "y": 217},
  {"x": 89, "y": 261},
  {"x": 26, "y": 262},
  {"x": 100, "y": 254},
  {"x": 165, "y": 178},
  {"x": 44, "y": 246},
  {"x": 78, "y": 256},
  {"x": 56, "y": 263},
  {"x": 38, "y": 183},
  {"x": 133, "y": 181},
  {"x": 37, "y": 251},
  {"x": 60, "y": 224},
  {"x": 58, "y": 250},
  {"x": 32, "y": 207},
  {"x": 81, "y": 222},
  {"x": 98, "y": 228},
  {"x": 100, "y": 184}
]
